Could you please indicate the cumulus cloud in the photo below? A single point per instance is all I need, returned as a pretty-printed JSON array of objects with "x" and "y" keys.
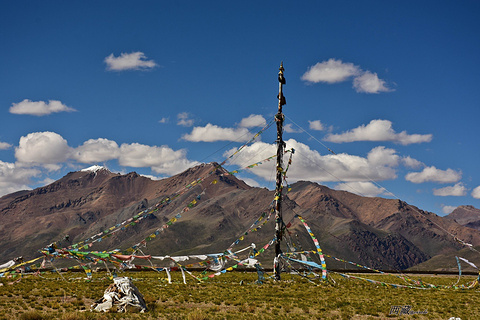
[
  {"x": 448, "y": 209},
  {"x": 5, "y": 146},
  {"x": 363, "y": 188},
  {"x": 253, "y": 120},
  {"x": 39, "y": 108},
  {"x": 39, "y": 152},
  {"x": 129, "y": 61},
  {"x": 47, "y": 181},
  {"x": 14, "y": 178},
  {"x": 381, "y": 156},
  {"x": 290, "y": 129},
  {"x": 49, "y": 149},
  {"x": 333, "y": 71},
  {"x": 458, "y": 190},
  {"x": 151, "y": 177},
  {"x": 476, "y": 193},
  {"x": 161, "y": 159},
  {"x": 369, "y": 83},
  {"x": 96, "y": 150},
  {"x": 184, "y": 119},
  {"x": 175, "y": 166},
  {"x": 211, "y": 133},
  {"x": 250, "y": 182},
  {"x": 42, "y": 148},
  {"x": 312, "y": 166},
  {"x": 163, "y": 120},
  {"x": 412, "y": 163},
  {"x": 432, "y": 174},
  {"x": 316, "y": 125},
  {"x": 378, "y": 130}
]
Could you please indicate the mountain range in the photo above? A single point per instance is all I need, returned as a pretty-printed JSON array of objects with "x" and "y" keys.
[{"x": 387, "y": 234}]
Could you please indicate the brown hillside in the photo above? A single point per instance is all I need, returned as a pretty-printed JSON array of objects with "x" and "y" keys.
[
  {"x": 423, "y": 234},
  {"x": 381, "y": 233},
  {"x": 467, "y": 216}
]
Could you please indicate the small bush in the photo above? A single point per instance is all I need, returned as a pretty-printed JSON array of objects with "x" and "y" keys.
[
  {"x": 197, "y": 315},
  {"x": 32, "y": 315}
]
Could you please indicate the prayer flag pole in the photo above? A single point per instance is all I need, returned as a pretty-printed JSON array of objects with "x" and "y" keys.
[{"x": 279, "y": 118}]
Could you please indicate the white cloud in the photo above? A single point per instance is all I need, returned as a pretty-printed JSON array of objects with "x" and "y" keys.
[
  {"x": 161, "y": 159},
  {"x": 316, "y": 125},
  {"x": 363, "y": 188},
  {"x": 253, "y": 120},
  {"x": 458, "y": 190},
  {"x": 175, "y": 166},
  {"x": 149, "y": 176},
  {"x": 14, "y": 178},
  {"x": 163, "y": 120},
  {"x": 250, "y": 182},
  {"x": 39, "y": 108},
  {"x": 129, "y": 61},
  {"x": 96, "y": 150},
  {"x": 211, "y": 133},
  {"x": 184, "y": 119},
  {"x": 412, "y": 163},
  {"x": 381, "y": 156},
  {"x": 48, "y": 150},
  {"x": 432, "y": 174},
  {"x": 378, "y": 130},
  {"x": 448, "y": 209},
  {"x": 290, "y": 129},
  {"x": 476, "y": 193},
  {"x": 331, "y": 71},
  {"x": 369, "y": 83},
  {"x": 42, "y": 148},
  {"x": 47, "y": 181},
  {"x": 5, "y": 146},
  {"x": 311, "y": 166}
]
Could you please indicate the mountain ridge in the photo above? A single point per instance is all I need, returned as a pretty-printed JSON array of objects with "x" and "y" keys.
[{"x": 379, "y": 232}]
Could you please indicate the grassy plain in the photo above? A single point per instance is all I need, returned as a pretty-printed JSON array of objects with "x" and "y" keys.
[{"x": 236, "y": 296}]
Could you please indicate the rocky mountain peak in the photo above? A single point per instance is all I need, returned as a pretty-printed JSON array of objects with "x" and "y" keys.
[
  {"x": 466, "y": 215},
  {"x": 95, "y": 169}
]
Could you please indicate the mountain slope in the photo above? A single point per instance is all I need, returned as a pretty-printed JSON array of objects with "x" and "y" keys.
[
  {"x": 413, "y": 235},
  {"x": 380, "y": 233},
  {"x": 467, "y": 216},
  {"x": 81, "y": 204}
]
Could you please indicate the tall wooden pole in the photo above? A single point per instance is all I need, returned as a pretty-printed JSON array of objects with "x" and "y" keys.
[{"x": 278, "y": 189}]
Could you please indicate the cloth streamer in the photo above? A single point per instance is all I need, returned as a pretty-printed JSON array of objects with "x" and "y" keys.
[
  {"x": 468, "y": 262},
  {"x": 7, "y": 265},
  {"x": 317, "y": 245}
]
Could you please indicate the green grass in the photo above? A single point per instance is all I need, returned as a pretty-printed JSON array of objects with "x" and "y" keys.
[{"x": 224, "y": 297}]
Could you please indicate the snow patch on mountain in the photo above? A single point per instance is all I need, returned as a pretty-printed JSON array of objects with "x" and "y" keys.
[{"x": 94, "y": 169}]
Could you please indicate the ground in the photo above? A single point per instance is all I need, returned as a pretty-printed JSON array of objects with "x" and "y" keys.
[{"x": 236, "y": 296}]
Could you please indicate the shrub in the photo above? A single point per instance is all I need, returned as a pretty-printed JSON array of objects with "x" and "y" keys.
[{"x": 32, "y": 315}]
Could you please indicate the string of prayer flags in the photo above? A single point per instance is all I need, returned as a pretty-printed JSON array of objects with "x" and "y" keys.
[{"x": 317, "y": 245}]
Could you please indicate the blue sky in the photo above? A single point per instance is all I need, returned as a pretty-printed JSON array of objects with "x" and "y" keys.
[{"x": 155, "y": 87}]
